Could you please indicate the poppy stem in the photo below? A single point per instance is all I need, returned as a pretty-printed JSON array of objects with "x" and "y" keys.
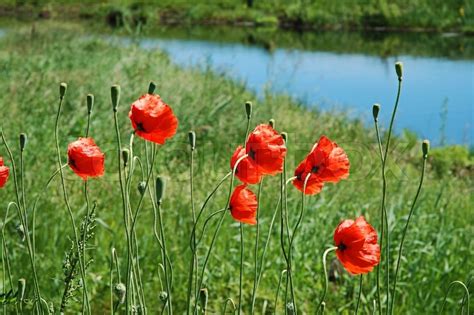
[
  {"x": 400, "y": 249},
  {"x": 384, "y": 188},
  {"x": 383, "y": 210},
  {"x": 194, "y": 259},
  {"x": 68, "y": 206},
  {"x": 241, "y": 275},
  {"x": 322, "y": 304},
  {"x": 256, "y": 279},
  {"x": 298, "y": 222},
  {"x": 466, "y": 296},
  {"x": 216, "y": 232},
  {"x": 5, "y": 257},
  {"x": 360, "y": 294},
  {"x": 275, "y": 304}
]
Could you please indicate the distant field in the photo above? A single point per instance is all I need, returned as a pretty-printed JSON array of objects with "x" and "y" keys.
[
  {"x": 436, "y": 15},
  {"x": 33, "y": 62}
]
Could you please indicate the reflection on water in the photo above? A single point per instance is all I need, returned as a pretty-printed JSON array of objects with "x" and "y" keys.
[{"x": 437, "y": 91}]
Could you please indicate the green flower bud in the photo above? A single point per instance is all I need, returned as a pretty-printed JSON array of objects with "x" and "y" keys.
[
  {"x": 23, "y": 140},
  {"x": 271, "y": 122},
  {"x": 62, "y": 90},
  {"x": 160, "y": 189},
  {"x": 399, "y": 69},
  {"x": 425, "y": 147},
  {"x": 375, "y": 111},
  {"x": 151, "y": 87},
  {"x": 204, "y": 297},
  {"x": 21, "y": 289},
  {"x": 115, "y": 95},
  {"x": 192, "y": 140},
  {"x": 90, "y": 103},
  {"x": 121, "y": 292},
  {"x": 248, "y": 109},
  {"x": 163, "y": 296},
  {"x": 142, "y": 187},
  {"x": 125, "y": 156},
  {"x": 284, "y": 135},
  {"x": 21, "y": 232}
]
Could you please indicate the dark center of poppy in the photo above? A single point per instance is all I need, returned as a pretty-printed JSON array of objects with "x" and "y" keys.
[
  {"x": 252, "y": 154},
  {"x": 315, "y": 169},
  {"x": 140, "y": 127},
  {"x": 72, "y": 163},
  {"x": 342, "y": 246}
]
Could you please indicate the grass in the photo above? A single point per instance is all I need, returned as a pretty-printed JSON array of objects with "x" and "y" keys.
[
  {"x": 438, "y": 248},
  {"x": 435, "y": 15}
]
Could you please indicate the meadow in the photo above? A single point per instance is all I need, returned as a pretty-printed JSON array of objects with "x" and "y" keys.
[{"x": 34, "y": 60}]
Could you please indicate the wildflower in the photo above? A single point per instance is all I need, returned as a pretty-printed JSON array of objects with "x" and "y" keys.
[
  {"x": 243, "y": 205},
  {"x": 85, "y": 158},
  {"x": 153, "y": 119},
  {"x": 4, "y": 173},
  {"x": 326, "y": 162},
  {"x": 265, "y": 150},
  {"x": 357, "y": 247}
]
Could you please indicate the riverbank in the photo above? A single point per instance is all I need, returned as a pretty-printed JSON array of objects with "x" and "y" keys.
[
  {"x": 384, "y": 16},
  {"x": 32, "y": 64}
]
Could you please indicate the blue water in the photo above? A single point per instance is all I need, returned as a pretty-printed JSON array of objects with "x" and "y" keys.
[{"x": 433, "y": 87}]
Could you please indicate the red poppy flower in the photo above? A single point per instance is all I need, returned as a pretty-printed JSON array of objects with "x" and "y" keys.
[
  {"x": 326, "y": 162},
  {"x": 357, "y": 247},
  {"x": 247, "y": 170},
  {"x": 153, "y": 119},
  {"x": 243, "y": 205},
  {"x": 4, "y": 173},
  {"x": 85, "y": 158},
  {"x": 266, "y": 148}
]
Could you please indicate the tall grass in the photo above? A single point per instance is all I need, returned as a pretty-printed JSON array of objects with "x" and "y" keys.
[{"x": 436, "y": 251}]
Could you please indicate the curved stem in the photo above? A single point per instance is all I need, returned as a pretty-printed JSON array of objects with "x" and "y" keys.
[
  {"x": 384, "y": 194},
  {"x": 400, "y": 250},
  {"x": 383, "y": 217},
  {"x": 451, "y": 285},
  {"x": 24, "y": 224},
  {"x": 322, "y": 304},
  {"x": 275, "y": 304},
  {"x": 216, "y": 232},
  {"x": 227, "y": 301},
  {"x": 68, "y": 206},
  {"x": 256, "y": 278},
  {"x": 360, "y": 294}
]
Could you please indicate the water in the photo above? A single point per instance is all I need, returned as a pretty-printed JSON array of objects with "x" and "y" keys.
[{"x": 437, "y": 97}]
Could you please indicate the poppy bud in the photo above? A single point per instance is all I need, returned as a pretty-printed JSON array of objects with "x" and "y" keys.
[
  {"x": 284, "y": 135},
  {"x": 115, "y": 95},
  {"x": 375, "y": 111},
  {"x": 192, "y": 140},
  {"x": 160, "y": 189},
  {"x": 22, "y": 141},
  {"x": 21, "y": 289},
  {"x": 125, "y": 156},
  {"x": 425, "y": 147},
  {"x": 142, "y": 187},
  {"x": 90, "y": 103},
  {"x": 290, "y": 308},
  {"x": 323, "y": 307},
  {"x": 203, "y": 297},
  {"x": 151, "y": 87},
  {"x": 163, "y": 296},
  {"x": 399, "y": 69},
  {"x": 21, "y": 232},
  {"x": 120, "y": 292},
  {"x": 248, "y": 109},
  {"x": 271, "y": 122},
  {"x": 62, "y": 90}
]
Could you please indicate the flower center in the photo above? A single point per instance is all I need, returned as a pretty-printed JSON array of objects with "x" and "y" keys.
[
  {"x": 341, "y": 246},
  {"x": 252, "y": 154},
  {"x": 72, "y": 163},
  {"x": 140, "y": 127},
  {"x": 315, "y": 169}
]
